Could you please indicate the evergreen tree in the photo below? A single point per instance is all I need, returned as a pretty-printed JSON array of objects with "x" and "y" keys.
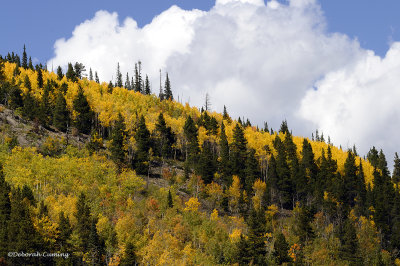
[
  {"x": 191, "y": 134},
  {"x": 65, "y": 229},
  {"x": 143, "y": 143},
  {"x": 226, "y": 116},
  {"x": 243, "y": 256},
  {"x": 147, "y": 89},
  {"x": 79, "y": 70},
  {"x": 29, "y": 109},
  {"x": 309, "y": 170},
  {"x": 349, "y": 249},
  {"x": 24, "y": 59},
  {"x": 118, "y": 83},
  {"x": 95, "y": 244},
  {"x": 252, "y": 171},
  {"x": 45, "y": 106},
  {"x": 256, "y": 237},
  {"x": 239, "y": 153},
  {"x": 96, "y": 77},
  {"x": 127, "y": 82},
  {"x": 61, "y": 114},
  {"x": 396, "y": 169},
  {"x": 207, "y": 163},
  {"x": 350, "y": 180},
  {"x": 284, "y": 182},
  {"x": 138, "y": 77},
  {"x": 167, "y": 89},
  {"x": 16, "y": 99},
  {"x": 165, "y": 138},
  {"x": 90, "y": 74},
  {"x": 30, "y": 65},
  {"x": 297, "y": 178},
  {"x": 39, "y": 78},
  {"x": 130, "y": 258},
  {"x": 83, "y": 225},
  {"x": 170, "y": 201},
  {"x": 118, "y": 141},
  {"x": 224, "y": 164},
  {"x": 284, "y": 127},
  {"x": 281, "y": 248},
  {"x": 361, "y": 196},
  {"x": 71, "y": 75},
  {"x": 271, "y": 195},
  {"x": 304, "y": 217},
  {"x": 84, "y": 117},
  {"x": 5, "y": 211}
]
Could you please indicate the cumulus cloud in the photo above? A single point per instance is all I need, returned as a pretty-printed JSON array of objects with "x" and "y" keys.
[
  {"x": 359, "y": 103},
  {"x": 265, "y": 61}
]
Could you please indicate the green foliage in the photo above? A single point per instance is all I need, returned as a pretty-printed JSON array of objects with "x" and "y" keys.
[
  {"x": 281, "y": 248},
  {"x": 117, "y": 141},
  {"x": 143, "y": 144},
  {"x": 84, "y": 117},
  {"x": 60, "y": 113}
]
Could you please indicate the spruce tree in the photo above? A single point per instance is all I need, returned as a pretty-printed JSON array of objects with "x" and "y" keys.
[
  {"x": 147, "y": 89},
  {"x": 284, "y": 128},
  {"x": 30, "y": 107},
  {"x": 349, "y": 249},
  {"x": 281, "y": 248},
  {"x": 65, "y": 230},
  {"x": 30, "y": 65},
  {"x": 167, "y": 89},
  {"x": 256, "y": 237},
  {"x": 129, "y": 258},
  {"x": 39, "y": 78},
  {"x": 309, "y": 169},
  {"x": 350, "y": 180},
  {"x": 45, "y": 106},
  {"x": 207, "y": 163},
  {"x": 96, "y": 77},
  {"x": 83, "y": 225},
  {"x": 118, "y": 83},
  {"x": 127, "y": 82},
  {"x": 95, "y": 244},
  {"x": 361, "y": 196},
  {"x": 90, "y": 74},
  {"x": 191, "y": 134},
  {"x": 5, "y": 211},
  {"x": 143, "y": 143},
  {"x": 84, "y": 117},
  {"x": 224, "y": 162},
  {"x": 164, "y": 139},
  {"x": 24, "y": 59},
  {"x": 71, "y": 75},
  {"x": 252, "y": 171},
  {"x": 118, "y": 141},
  {"x": 284, "y": 182},
  {"x": 61, "y": 114},
  {"x": 138, "y": 77},
  {"x": 396, "y": 169},
  {"x": 239, "y": 153}
]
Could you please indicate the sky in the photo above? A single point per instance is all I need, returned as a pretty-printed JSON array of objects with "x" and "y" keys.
[{"x": 320, "y": 64}]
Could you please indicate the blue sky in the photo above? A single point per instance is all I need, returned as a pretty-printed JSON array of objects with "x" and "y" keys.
[{"x": 40, "y": 23}]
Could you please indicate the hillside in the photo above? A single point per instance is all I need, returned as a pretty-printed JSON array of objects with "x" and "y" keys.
[{"x": 111, "y": 175}]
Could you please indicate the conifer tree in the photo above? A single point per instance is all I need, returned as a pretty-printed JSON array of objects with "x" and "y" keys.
[
  {"x": 207, "y": 164},
  {"x": 95, "y": 244},
  {"x": 138, "y": 77},
  {"x": 224, "y": 164},
  {"x": 284, "y": 182},
  {"x": 71, "y": 75},
  {"x": 16, "y": 99},
  {"x": 239, "y": 153},
  {"x": 142, "y": 137},
  {"x": 83, "y": 225},
  {"x": 29, "y": 109},
  {"x": 281, "y": 248},
  {"x": 60, "y": 74},
  {"x": 127, "y": 82},
  {"x": 5, "y": 211},
  {"x": 24, "y": 59},
  {"x": 284, "y": 128},
  {"x": 167, "y": 89},
  {"x": 170, "y": 201},
  {"x": 252, "y": 170},
  {"x": 191, "y": 134},
  {"x": 226, "y": 116},
  {"x": 165, "y": 138},
  {"x": 349, "y": 249},
  {"x": 90, "y": 74},
  {"x": 118, "y": 141},
  {"x": 45, "y": 106},
  {"x": 61, "y": 114},
  {"x": 84, "y": 117},
  {"x": 361, "y": 196},
  {"x": 130, "y": 258},
  {"x": 147, "y": 89},
  {"x": 256, "y": 237},
  {"x": 309, "y": 169},
  {"x": 39, "y": 78},
  {"x": 396, "y": 169},
  {"x": 243, "y": 256},
  {"x": 118, "y": 82},
  {"x": 96, "y": 77},
  {"x": 65, "y": 229},
  {"x": 350, "y": 180},
  {"x": 30, "y": 65},
  {"x": 79, "y": 70}
]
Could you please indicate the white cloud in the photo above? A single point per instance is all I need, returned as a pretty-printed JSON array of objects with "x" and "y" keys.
[
  {"x": 258, "y": 59},
  {"x": 360, "y": 103}
]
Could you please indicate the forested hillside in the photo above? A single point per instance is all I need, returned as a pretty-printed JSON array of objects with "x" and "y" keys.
[{"x": 113, "y": 174}]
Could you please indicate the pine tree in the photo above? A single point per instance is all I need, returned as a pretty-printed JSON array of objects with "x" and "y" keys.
[
  {"x": 256, "y": 237},
  {"x": 147, "y": 89},
  {"x": 65, "y": 229},
  {"x": 350, "y": 180},
  {"x": 16, "y": 99},
  {"x": 167, "y": 89},
  {"x": 127, "y": 82},
  {"x": 170, "y": 201},
  {"x": 118, "y": 141},
  {"x": 29, "y": 109},
  {"x": 61, "y": 114},
  {"x": 309, "y": 169},
  {"x": 90, "y": 74},
  {"x": 207, "y": 163},
  {"x": 24, "y": 59},
  {"x": 5, "y": 211},
  {"x": 138, "y": 77},
  {"x": 396, "y": 169},
  {"x": 118, "y": 83},
  {"x": 243, "y": 256},
  {"x": 284, "y": 183},
  {"x": 95, "y": 244},
  {"x": 79, "y": 70},
  {"x": 284, "y": 127},
  {"x": 281, "y": 248},
  {"x": 252, "y": 171},
  {"x": 39, "y": 78},
  {"x": 83, "y": 225},
  {"x": 191, "y": 134},
  {"x": 130, "y": 258},
  {"x": 71, "y": 75},
  {"x": 143, "y": 143},
  {"x": 96, "y": 77},
  {"x": 30, "y": 65},
  {"x": 226, "y": 116},
  {"x": 45, "y": 106},
  {"x": 361, "y": 196},
  {"x": 239, "y": 153},
  {"x": 349, "y": 249},
  {"x": 84, "y": 117},
  {"x": 224, "y": 163}
]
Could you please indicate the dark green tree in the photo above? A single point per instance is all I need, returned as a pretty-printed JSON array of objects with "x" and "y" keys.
[
  {"x": 349, "y": 249},
  {"x": 5, "y": 211},
  {"x": 284, "y": 128},
  {"x": 239, "y": 153},
  {"x": 396, "y": 169},
  {"x": 252, "y": 171},
  {"x": 79, "y": 70},
  {"x": 84, "y": 221},
  {"x": 84, "y": 117},
  {"x": 90, "y": 74},
  {"x": 71, "y": 75},
  {"x": 164, "y": 139},
  {"x": 39, "y": 78},
  {"x": 127, "y": 82},
  {"x": 95, "y": 244},
  {"x": 24, "y": 59},
  {"x": 256, "y": 237},
  {"x": 170, "y": 201},
  {"x": 118, "y": 141},
  {"x": 30, "y": 65},
  {"x": 284, "y": 181},
  {"x": 207, "y": 163},
  {"x": 118, "y": 83},
  {"x": 191, "y": 134},
  {"x": 60, "y": 113},
  {"x": 138, "y": 77},
  {"x": 16, "y": 99},
  {"x": 167, "y": 89},
  {"x": 350, "y": 180},
  {"x": 224, "y": 162},
  {"x": 281, "y": 248},
  {"x": 129, "y": 258},
  {"x": 147, "y": 89},
  {"x": 65, "y": 229},
  {"x": 143, "y": 144}
]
